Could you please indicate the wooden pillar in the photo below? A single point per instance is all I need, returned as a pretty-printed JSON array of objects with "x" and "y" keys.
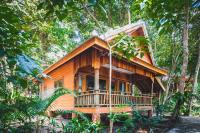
[
  {"x": 73, "y": 115},
  {"x": 117, "y": 85},
  {"x": 152, "y": 86},
  {"x": 79, "y": 83},
  {"x": 96, "y": 85},
  {"x": 150, "y": 112},
  {"x": 133, "y": 89},
  {"x": 84, "y": 84},
  {"x": 123, "y": 87},
  {"x": 96, "y": 117},
  {"x": 127, "y": 88},
  {"x": 96, "y": 66},
  {"x": 96, "y": 79}
]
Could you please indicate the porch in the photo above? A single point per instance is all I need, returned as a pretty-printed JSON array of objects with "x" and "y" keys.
[{"x": 91, "y": 82}]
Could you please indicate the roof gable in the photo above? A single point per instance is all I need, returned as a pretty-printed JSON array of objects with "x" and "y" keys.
[
  {"x": 134, "y": 29},
  {"x": 131, "y": 29}
]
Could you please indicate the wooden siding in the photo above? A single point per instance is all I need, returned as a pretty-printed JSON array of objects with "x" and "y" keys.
[
  {"x": 65, "y": 72},
  {"x": 120, "y": 63},
  {"x": 82, "y": 60},
  {"x": 146, "y": 57}
]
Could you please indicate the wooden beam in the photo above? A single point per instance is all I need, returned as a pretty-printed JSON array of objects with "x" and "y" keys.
[
  {"x": 96, "y": 86},
  {"x": 96, "y": 79},
  {"x": 84, "y": 84}
]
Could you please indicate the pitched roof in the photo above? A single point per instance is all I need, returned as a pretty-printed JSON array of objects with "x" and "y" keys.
[{"x": 101, "y": 41}]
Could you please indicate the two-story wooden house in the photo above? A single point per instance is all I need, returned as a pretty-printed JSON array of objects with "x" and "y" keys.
[{"x": 86, "y": 71}]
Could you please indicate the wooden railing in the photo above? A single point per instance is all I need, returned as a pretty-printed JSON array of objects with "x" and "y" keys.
[{"x": 101, "y": 98}]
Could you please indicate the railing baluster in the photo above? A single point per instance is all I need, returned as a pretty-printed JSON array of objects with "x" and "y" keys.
[{"x": 88, "y": 99}]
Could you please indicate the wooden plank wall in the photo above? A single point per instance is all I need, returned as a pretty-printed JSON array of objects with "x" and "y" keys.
[
  {"x": 121, "y": 63},
  {"x": 65, "y": 72}
]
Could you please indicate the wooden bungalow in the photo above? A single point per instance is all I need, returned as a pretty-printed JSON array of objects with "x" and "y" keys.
[{"x": 86, "y": 71}]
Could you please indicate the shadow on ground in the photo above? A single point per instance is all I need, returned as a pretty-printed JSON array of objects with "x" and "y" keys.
[{"x": 186, "y": 125}]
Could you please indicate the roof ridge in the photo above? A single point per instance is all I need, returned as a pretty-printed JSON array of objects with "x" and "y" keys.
[{"x": 126, "y": 28}]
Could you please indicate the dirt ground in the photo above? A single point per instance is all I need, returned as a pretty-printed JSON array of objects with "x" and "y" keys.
[{"x": 185, "y": 125}]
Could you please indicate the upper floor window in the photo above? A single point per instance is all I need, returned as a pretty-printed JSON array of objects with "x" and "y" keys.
[
  {"x": 113, "y": 85},
  {"x": 58, "y": 83},
  {"x": 102, "y": 84},
  {"x": 122, "y": 87},
  {"x": 90, "y": 82}
]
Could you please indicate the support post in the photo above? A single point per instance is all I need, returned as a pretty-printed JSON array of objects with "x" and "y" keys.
[
  {"x": 84, "y": 86},
  {"x": 152, "y": 89},
  {"x": 96, "y": 81},
  {"x": 73, "y": 115},
  {"x": 79, "y": 83},
  {"x": 96, "y": 117},
  {"x": 152, "y": 86},
  {"x": 96, "y": 85}
]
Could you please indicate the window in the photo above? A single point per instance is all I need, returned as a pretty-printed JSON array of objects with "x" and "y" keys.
[
  {"x": 122, "y": 87},
  {"x": 90, "y": 82},
  {"x": 58, "y": 83},
  {"x": 113, "y": 85},
  {"x": 102, "y": 84}
]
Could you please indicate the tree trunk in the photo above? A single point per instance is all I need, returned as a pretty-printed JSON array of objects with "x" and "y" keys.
[
  {"x": 194, "y": 84},
  {"x": 175, "y": 58},
  {"x": 179, "y": 103},
  {"x": 194, "y": 87},
  {"x": 185, "y": 51},
  {"x": 111, "y": 126},
  {"x": 176, "y": 112},
  {"x": 129, "y": 14},
  {"x": 167, "y": 90}
]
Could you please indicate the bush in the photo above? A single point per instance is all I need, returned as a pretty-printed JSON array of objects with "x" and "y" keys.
[{"x": 77, "y": 125}]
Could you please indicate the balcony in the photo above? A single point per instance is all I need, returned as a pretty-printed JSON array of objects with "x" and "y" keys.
[{"x": 100, "y": 98}]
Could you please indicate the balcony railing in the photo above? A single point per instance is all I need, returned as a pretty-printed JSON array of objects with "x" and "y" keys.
[{"x": 101, "y": 98}]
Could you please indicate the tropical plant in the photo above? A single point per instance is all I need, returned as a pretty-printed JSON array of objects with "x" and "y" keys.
[
  {"x": 21, "y": 110},
  {"x": 77, "y": 125}
]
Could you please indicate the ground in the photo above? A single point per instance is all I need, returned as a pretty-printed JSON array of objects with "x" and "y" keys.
[{"x": 187, "y": 125}]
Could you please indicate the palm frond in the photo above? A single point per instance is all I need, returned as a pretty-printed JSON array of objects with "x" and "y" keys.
[
  {"x": 39, "y": 106},
  {"x": 63, "y": 112}
]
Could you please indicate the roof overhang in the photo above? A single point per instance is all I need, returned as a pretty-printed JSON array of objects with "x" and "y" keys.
[
  {"x": 101, "y": 43},
  {"x": 117, "y": 69}
]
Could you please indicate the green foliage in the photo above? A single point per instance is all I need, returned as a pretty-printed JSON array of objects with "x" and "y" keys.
[
  {"x": 77, "y": 125},
  {"x": 130, "y": 47},
  {"x": 167, "y": 16},
  {"x": 21, "y": 109},
  {"x": 86, "y": 10},
  {"x": 143, "y": 122},
  {"x": 182, "y": 99},
  {"x": 135, "y": 122},
  {"x": 117, "y": 117}
]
